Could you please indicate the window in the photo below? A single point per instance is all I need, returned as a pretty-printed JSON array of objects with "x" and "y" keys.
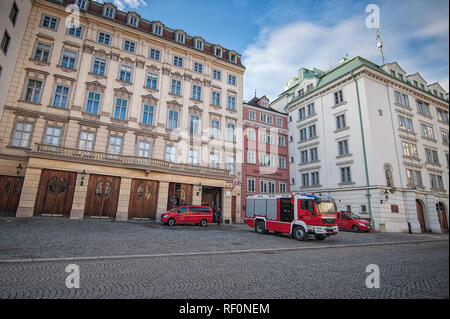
[
  {"x": 144, "y": 149},
  {"x": 436, "y": 182},
  {"x": 283, "y": 188},
  {"x": 266, "y": 187},
  {"x": 251, "y": 134},
  {"x": 312, "y": 131},
  {"x": 217, "y": 75},
  {"x": 301, "y": 113},
  {"x": 120, "y": 110},
  {"x": 400, "y": 76},
  {"x": 251, "y": 185},
  {"x": 281, "y": 141},
  {"x": 157, "y": 29},
  {"x": 444, "y": 137},
  {"x": 49, "y": 22},
  {"x": 74, "y": 30},
  {"x": 315, "y": 179},
  {"x": 81, "y": 4},
  {"x": 251, "y": 115},
  {"x": 266, "y": 160},
  {"x": 194, "y": 125},
  {"x": 409, "y": 150},
  {"x": 129, "y": 46},
  {"x": 147, "y": 114},
  {"x": 125, "y": 73},
  {"x": 414, "y": 177},
  {"x": 282, "y": 162},
  {"x": 279, "y": 121},
  {"x": 393, "y": 73},
  {"x": 231, "y": 165},
  {"x": 104, "y": 38},
  {"x": 230, "y": 133},
  {"x": 152, "y": 81},
  {"x": 115, "y": 145},
  {"x": 22, "y": 134},
  {"x": 427, "y": 131},
  {"x": 52, "y": 135},
  {"x": 309, "y": 87},
  {"x": 266, "y": 118},
  {"x": 180, "y": 37},
  {"x": 133, "y": 20},
  {"x": 178, "y": 61},
  {"x": 304, "y": 157},
  {"x": 215, "y": 129},
  {"x": 13, "y": 13},
  {"x": 305, "y": 180},
  {"x": 264, "y": 104},
  {"x": 340, "y": 122},
  {"x": 302, "y": 134},
  {"x": 155, "y": 54},
  {"x": 311, "y": 109},
  {"x": 172, "y": 122},
  {"x": 343, "y": 147},
  {"x": 199, "y": 45},
  {"x": 416, "y": 84},
  {"x": 406, "y": 123},
  {"x": 61, "y": 96},
  {"x": 214, "y": 160},
  {"x": 86, "y": 141},
  {"x": 215, "y": 98},
  {"x": 442, "y": 115},
  {"x": 231, "y": 105},
  {"x": 432, "y": 156},
  {"x": 99, "y": 66},
  {"x": 198, "y": 67},
  {"x": 313, "y": 155},
  {"x": 251, "y": 157},
  {"x": 5, "y": 42},
  {"x": 171, "y": 153},
  {"x": 338, "y": 97},
  {"x": 196, "y": 92},
  {"x": 69, "y": 59},
  {"x": 218, "y": 52},
  {"x": 93, "y": 102},
  {"x": 33, "y": 91},
  {"x": 176, "y": 87},
  {"x": 422, "y": 86},
  {"x": 193, "y": 157},
  {"x": 109, "y": 12},
  {"x": 401, "y": 99},
  {"x": 423, "y": 108},
  {"x": 42, "y": 52},
  {"x": 231, "y": 79},
  {"x": 346, "y": 176}
]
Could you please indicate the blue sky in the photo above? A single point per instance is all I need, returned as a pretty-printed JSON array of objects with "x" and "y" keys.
[{"x": 277, "y": 37}]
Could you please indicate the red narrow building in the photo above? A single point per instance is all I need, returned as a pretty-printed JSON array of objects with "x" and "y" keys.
[{"x": 265, "y": 168}]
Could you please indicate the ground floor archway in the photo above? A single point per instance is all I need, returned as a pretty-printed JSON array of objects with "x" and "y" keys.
[
  {"x": 420, "y": 215},
  {"x": 442, "y": 216}
]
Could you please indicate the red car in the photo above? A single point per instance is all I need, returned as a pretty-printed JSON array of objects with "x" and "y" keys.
[
  {"x": 354, "y": 222},
  {"x": 188, "y": 214}
]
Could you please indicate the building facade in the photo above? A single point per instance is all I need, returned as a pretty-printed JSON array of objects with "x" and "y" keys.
[
  {"x": 13, "y": 20},
  {"x": 265, "y": 167},
  {"x": 375, "y": 139},
  {"x": 117, "y": 116}
]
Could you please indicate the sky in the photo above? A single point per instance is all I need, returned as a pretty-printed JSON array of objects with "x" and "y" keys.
[{"x": 277, "y": 37}]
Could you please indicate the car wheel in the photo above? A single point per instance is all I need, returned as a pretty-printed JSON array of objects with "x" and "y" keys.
[
  {"x": 300, "y": 233},
  {"x": 260, "y": 228},
  {"x": 320, "y": 237},
  {"x": 203, "y": 222},
  {"x": 355, "y": 228},
  {"x": 171, "y": 222}
]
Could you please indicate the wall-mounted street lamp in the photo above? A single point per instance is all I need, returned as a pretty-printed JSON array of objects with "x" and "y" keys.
[
  {"x": 83, "y": 175},
  {"x": 386, "y": 196},
  {"x": 19, "y": 169},
  {"x": 199, "y": 189}
]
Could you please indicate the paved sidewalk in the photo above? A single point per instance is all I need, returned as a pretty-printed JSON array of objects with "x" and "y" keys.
[{"x": 53, "y": 237}]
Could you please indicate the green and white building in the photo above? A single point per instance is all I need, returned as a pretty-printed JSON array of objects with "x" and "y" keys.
[{"x": 373, "y": 137}]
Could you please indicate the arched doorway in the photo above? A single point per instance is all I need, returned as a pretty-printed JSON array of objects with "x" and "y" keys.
[
  {"x": 420, "y": 215},
  {"x": 442, "y": 216}
]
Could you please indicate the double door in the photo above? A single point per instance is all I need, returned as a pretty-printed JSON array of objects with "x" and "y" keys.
[
  {"x": 102, "y": 196},
  {"x": 143, "y": 199},
  {"x": 10, "y": 189}
]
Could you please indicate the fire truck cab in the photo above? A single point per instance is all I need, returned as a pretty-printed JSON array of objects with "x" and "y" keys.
[{"x": 296, "y": 215}]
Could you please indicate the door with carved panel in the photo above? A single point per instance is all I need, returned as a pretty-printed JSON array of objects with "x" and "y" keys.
[
  {"x": 102, "y": 196},
  {"x": 143, "y": 199},
  {"x": 55, "y": 193},
  {"x": 10, "y": 189}
]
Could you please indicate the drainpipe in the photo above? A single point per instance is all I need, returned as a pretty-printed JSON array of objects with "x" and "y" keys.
[{"x": 368, "y": 195}]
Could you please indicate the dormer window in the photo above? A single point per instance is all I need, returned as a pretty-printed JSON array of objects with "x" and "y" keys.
[
  {"x": 109, "y": 12},
  {"x": 82, "y": 4},
  {"x": 416, "y": 84},
  {"x": 180, "y": 37},
  {"x": 309, "y": 87},
  {"x": 218, "y": 52},
  {"x": 301, "y": 92},
  {"x": 264, "y": 104},
  {"x": 157, "y": 29},
  {"x": 422, "y": 86},
  {"x": 393, "y": 73},
  {"x": 133, "y": 20},
  {"x": 400, "y": 76},
  {"x": 233, "y": 57},
  {"x": 199, "y": 44}
]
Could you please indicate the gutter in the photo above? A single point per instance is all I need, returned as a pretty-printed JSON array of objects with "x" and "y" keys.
[{"x": 368, "y": 195}]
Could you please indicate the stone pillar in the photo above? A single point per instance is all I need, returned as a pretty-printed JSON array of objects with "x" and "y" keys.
[
  {"x": 226, "y": 209},
  {"x": 29, "y": 193},
  {"x": 79, "y": 198},
  {"x": 431, "y": 217},
  {"x": 163, "y": 195},
  {"x": 411, "y": 211},
  {"x": 124, "y": 200},
  {"x": 196, "y": 199}
]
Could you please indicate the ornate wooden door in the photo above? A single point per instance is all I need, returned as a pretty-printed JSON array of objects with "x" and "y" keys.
[
  {"x": 102, "y": 196},
  {"x": 55, "y": 193},
  {"x": 143, "y": 199},
  {"x": 442, "y": 216},
  {"x": 185, "y": 194},
  {"x": 10, "y": 189},
  {"x": 179, "y": 194},
  {"x": 420, "y": 216}
]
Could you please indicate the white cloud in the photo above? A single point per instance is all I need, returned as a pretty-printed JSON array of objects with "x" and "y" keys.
[{"x": 130, "y": 4}]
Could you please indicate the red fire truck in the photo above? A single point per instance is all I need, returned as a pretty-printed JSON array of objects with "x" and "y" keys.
[{"x": 296, "y": 215}]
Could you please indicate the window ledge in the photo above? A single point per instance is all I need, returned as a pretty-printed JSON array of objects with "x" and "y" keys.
[
  {"x": 39, "y": 62},
  {"x": 342, "y": 129},
  {"x": 346, "y": 183},
  {"x": 344, "y": 155},
  {"x": 19, "y": 147},
  {"x": 64, "y": 68},
  {"x": 29, "y": 102},
  {"x": 124, "y": 82},
  {"x": 339, "y": 104},
  {"x": 99, "y": 76},
  {"x": 429, "y": 139}
]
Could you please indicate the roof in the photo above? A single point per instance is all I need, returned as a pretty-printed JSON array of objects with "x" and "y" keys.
[{"x": 254, "y": 103}]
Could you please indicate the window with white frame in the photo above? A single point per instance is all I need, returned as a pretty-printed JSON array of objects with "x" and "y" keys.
[
  {"x": 22, "y": 134},
  {"x": 180, "y": 37},
  {"x": 427, "y": 131},
  {"x": 266, "y": 160},
  {"x": 75, "y": 30},
  {"x": 49, "y": 22},
  {"x": 99, "y": 66},
  {"x": 120, "y": 109},
  {"x": 52, "y": 135},
  {"x": 310, "y": 109},
  {"x": 108, "y": 12},
  {"x": 171, "y": 153},
  {"x": 198, "y": 67},
  {"x": 69, "y": 59},
  {"x": 436, "y": 182},
  {"x": 231, "y": 105},
  {"x": 231, "y": 79},
  {"x": 432, "y": 156},
  {"x": 251, "y": 185},
  {"x": 414, "y": 177},
  {"x": 338, "y": 97},
  {"x": 144, "y": 149},
  {"x": 340, "y": 122},
  {"x": 104, "y": 38},
  {"x": 282, "y": 188},
  {"x": 125, "y": 73},
  {"x": 406, "y": 123},
  {"x": 305, "y": 180},
  {"x": 444, "y": 137},
  {"x": 251, "y": 115},
  {"x": 148, "y": 114},
  {"x": 196, "y": 92},
  {"x": 199, "y": 44},
  {"x": 346, "y": 175},
  {"x": 194, "y": 124},
  {"x": 312, "y": 131},
  {"x": 155, "y": 54},
  {"x": 251, "y": 134},
  {"x": 214, "y": 160},
  {"x": 86, "y": 140},
  {"x": 152, "y": 80},
  {"x": 215, "y": 129},
  {"x": 42, "y": 52},
  {"x": 217, "y": 75},
  {"x": 279, "y": 121},
  {"x": 231, "y": 136},
  {"x": 304, "y": 156},
  {"x": 178, "y": 61},
  {"x": 343, "y": 147},
  {"x": 176, "y": 87},
  {"x": 313, "y": 154},
  {"x": 215, "y": 98},
  {"x": 61, "y": 96},
  {"x": 193, "y": 157},
  {"x": 303, "y": 134},
  {"x": 315, "y": 179},
  {"x": 409, "y": 149},
  {"x": 129, "y": 46},
  {"x": 231, "y": 165},
  {"x": 93, "y": 102},
  {"x": 281, "y": 141},
  {"x": 301, "y": 113},
  {"x": 251, "y": 157},
  {"x": 115, "y": 145},
  {"x": 172, "y": 120},
  {"x": 157, "y": 29},
  {"x": 401, "y": 99},
  {"x": 133, "y": 20},
  {"x": 266, "y": 187},
  {"x": 282, "y": 162},
  {"x": 32, "y": 91},
  {"x": 423, "y": 108},
  {"x": 442, "y": 115}
]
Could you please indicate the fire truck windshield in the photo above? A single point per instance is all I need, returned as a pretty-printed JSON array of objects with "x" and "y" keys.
[{"x": 326, "y": 207}]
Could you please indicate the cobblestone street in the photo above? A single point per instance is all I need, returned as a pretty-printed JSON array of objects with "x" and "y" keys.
[{"x": 330, "y": 270}]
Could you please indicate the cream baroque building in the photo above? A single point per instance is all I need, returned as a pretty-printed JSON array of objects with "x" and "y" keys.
[
  {"x": 373, "y": 137},
  {"x": 119, "y": 117}
]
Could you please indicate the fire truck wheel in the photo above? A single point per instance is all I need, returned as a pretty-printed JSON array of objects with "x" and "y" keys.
[
  {"x": 320, "y": 237},
  {"x": 300, "y": 233},
  {"x": 260, "y": 228}
]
